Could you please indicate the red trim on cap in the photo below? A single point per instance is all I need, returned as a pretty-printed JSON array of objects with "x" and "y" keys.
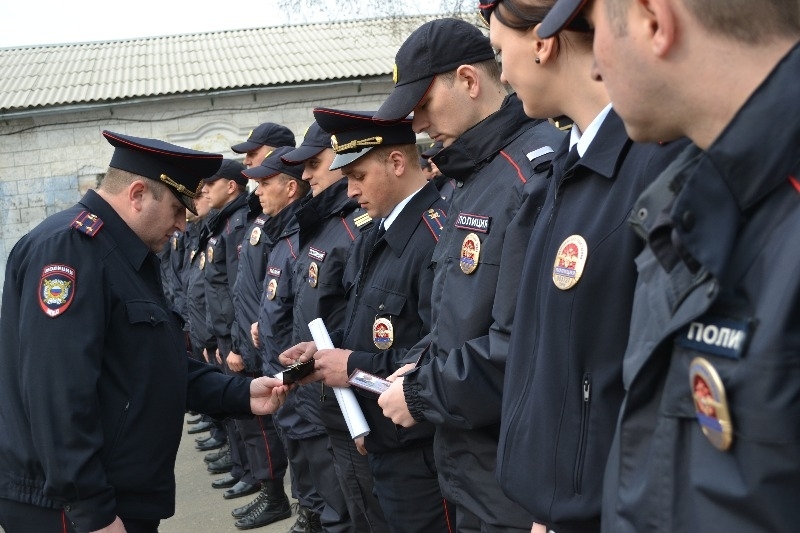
[
  {"x": 795, "y": 183},
  {"x": 146, "y": 148},
  {"x": 519, "y": 171}
]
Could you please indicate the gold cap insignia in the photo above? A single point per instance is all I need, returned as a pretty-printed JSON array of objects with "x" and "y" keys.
[{"x": 395, "y": 74}]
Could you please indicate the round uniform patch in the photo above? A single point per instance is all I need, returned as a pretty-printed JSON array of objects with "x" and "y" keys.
[
  {"x": 56, "y": 289},
  {"x": 710, "y": 403},
  {"x": 210, "y": 255},
  {"x": 383, "y": 333},
  {"x": 272, "y": 289},
  {"x": 570, "y": 260},
  {"x": 470, "y": 253},
  {"x": 202, "y": 264},
  {"x": 255, "y": 235},
  {"x": 313, "y": 274}
]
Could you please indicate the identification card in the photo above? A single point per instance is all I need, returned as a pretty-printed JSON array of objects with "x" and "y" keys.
[{"x": 367, "y": 381}]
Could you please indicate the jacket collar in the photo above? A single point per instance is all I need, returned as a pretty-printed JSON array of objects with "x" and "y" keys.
[
  {"x": 329, "y": 202},
  {"x": 401, "y": 230}
]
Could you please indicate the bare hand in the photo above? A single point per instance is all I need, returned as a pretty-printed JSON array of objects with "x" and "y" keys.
[
  {"x": 298, "y": 353},
  {"x": 330, "y": 366},
  {"x": 393, "y": 403},
  {"x": 254, "y": 334},
  {"x": 267, "y": 394},
  {"x": 235, "y": 362},
  {"x": 219, "y": 359},
  {"x": 114, "y": 527},
  {"x": 402, "y": 370},
  {"x": 538, "y": 528},
  {"x": 360, "y": 445}
]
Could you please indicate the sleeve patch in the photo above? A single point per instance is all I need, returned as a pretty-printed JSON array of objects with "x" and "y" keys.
[
  {"x": 56, "y": 289},
  {"x": 87, "y": 223}
]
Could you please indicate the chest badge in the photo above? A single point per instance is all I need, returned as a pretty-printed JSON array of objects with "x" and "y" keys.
[
  {"x": 255, "y": 235},
  {"x": 470, "y": 253},
  {"x": 272, "y": 289},
  {"x": 570, "y": 260},
  {"x": 383, "y": 333},
  {"x": 313, "y": 274},
  {"x": 202, "y": 264},
  {"x": 191, "y": 255},
  {"x": 210, "y": 255},
  {"x": 710, "y": 403}
]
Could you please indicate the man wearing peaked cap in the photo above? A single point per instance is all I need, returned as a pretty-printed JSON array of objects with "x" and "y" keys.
[
  {"x": 93, "y": 360},
  {"x": 380, "y": 163},
  {"x": 180, "y": 169},
  {"x": 447, "y": 76},
  {"x": 426, "y": 53},
  {"x": 262, "y": 140},
  {"x": 311, "y": 260}
]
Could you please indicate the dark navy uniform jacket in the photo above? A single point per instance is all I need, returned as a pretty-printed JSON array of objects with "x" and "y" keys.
[
  {"x": 94, "y": 365},
  {"x": 177, "y": 258},
  {"x": 222, "y": 262},
  {"x": 249, "y": 287},
  {"x": 719, "y": 281},
  {"x": 394, "y": 282},
  {"x": 500, "y": 165},
  {"x": 197, "y": 235},
  {"x": 563, "y": 383},
  {"x": 327, "y": 232}
]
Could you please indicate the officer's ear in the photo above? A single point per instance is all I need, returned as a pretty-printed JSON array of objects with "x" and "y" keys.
[{"x": 136, "y": 192}]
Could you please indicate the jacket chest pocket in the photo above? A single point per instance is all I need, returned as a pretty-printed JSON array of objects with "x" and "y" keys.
[
  {"x": 146, "y": 312},
  {"x": 384, "y": 302}
]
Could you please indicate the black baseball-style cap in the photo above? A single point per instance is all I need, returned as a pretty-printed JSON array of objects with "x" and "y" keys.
[
  {"x": 180, "y": 169},
  {"x": 314, "y": 141},
  {"x": 436, "y": 47},
  {"x": 433, "y": 149},
  {"x": 266, "y": 134},
  {"x": 561, "y": 15},
  {"x": 354, "y": 133},
  {"x": 272, "y": 165},
  {"x": 231, "y": 170}
]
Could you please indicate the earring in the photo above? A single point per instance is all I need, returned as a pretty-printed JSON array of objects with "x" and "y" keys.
[{"x": 537, "y": 60}]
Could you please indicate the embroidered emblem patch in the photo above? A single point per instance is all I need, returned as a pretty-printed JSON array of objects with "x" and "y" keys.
[
  {"x": 569, "y": 263},
  {"x": 435, "y": 219},
  {"x": 710, "y": 403},
  {"x": 716, "y": 335},
  {"x": 255, "y": 235},
  {"x": 56, "y": 289},
  {"x": 316, "y": 255},
  {"x": 473, "y": 222},
  {"x": 470, "y": 253},
  {"x": 87, "y": 223},
  {"x": 383, "y": 333}
]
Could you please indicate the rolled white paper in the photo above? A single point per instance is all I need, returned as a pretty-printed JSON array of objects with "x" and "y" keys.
[{"x": 352, "y": 412}]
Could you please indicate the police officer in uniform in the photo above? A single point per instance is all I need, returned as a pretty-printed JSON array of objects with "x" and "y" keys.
[
  {"x": 707, "y": 436},
  {"x": 93, "y": 359},
  {"x": 276, "y": 191},
  {"x": 389, "y": 287},
  {"x": 447, "y": 74}
]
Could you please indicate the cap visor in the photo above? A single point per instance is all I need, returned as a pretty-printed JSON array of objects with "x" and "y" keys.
[
  {"x": 260, "y": 172},
  {"x": 342, "y": 160},
  {"x": 187, "y": 202},
  {"x": 558, "y": 17},
  {"x": 403, "y": 99},
  {"x": 298, "y": 155},
  {"x": 247, "y": 146}
]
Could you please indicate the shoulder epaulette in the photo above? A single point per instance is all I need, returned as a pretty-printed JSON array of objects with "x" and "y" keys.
[
  {"x": 435, "y": 219},
  {"x": 362, "y": 220},
  {"x": 87, "y": 223}
]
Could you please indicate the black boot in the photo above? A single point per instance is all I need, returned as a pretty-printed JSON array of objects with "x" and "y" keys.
[
  {"x": 301, "y": 524},
  {"x": 271, "y": 509},
  {"x": 244, "y": 510},
  {"x": 314, "y": 525}
]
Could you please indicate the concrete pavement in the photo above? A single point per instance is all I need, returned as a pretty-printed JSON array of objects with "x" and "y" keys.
[{"x": 202, "y": 509}]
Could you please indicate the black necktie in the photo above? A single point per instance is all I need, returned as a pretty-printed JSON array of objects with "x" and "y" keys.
[
  {"x": 381, "y": 231},
  {"x": 572, "y": 157}
]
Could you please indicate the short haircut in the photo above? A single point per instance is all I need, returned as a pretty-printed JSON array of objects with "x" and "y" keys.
[
  {"x": 409, "y": 151},
  {"x": 116, "y": 180},
  {"x": 490, "y": 67},
  {"x": 746, "y": 21},
  {"x": 302, "y": 185}
]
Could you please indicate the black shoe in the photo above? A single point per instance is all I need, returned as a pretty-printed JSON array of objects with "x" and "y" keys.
[
  {"x": 267, "y": 511},
  {"x": 244, "y": 510},
  {"x": 195, "y": 420},
  {"x": 217, "y": 455},
  {"x": 221, "y": 465},
  {"x": 210, "y": 444},
  {"x": 301, "y": 524},
  {"x": 241, "y": 489},
  {"x": 201, "y": 427},
  {"x": 224, "y": 482}
]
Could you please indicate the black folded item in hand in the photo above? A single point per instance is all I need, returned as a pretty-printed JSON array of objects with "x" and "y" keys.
[{"x": 297, "y": 371}]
